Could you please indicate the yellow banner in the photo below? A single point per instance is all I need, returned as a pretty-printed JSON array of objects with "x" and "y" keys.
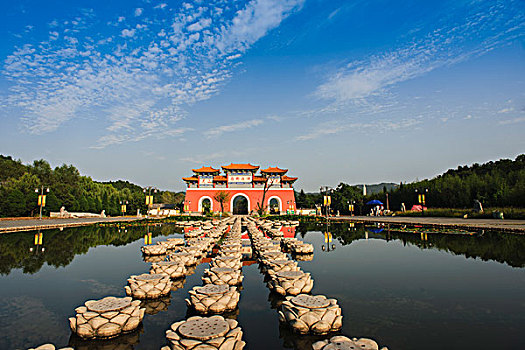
[
  {"x": 123, "y": 208},
  {"x": 149, "y": 200},
  {"x": 327, "y": 200},
  {"x": 42, "y": 200}
]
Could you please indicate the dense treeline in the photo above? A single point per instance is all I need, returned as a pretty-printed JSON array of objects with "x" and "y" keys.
[
  {"x": 494, "y": 184},
  {"x": 67, "y": 188}
]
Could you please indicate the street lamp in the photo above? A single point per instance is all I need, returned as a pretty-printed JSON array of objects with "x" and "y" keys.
[
  {"x": 327, "y": 199},
  {"x": 149, "y": 198},
  {"x": 351, "y": 207},
  {"x": 41, "y": 198},
  {"x": 421, "y": 199},
  {"x": 123, "y": 206}
]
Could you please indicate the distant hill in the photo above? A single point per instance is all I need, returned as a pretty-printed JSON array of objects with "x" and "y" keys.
[
  {"x": 67, "y": 188},
  {"x": 378, "y": 188},
  {"x": 498, "y": 183}
]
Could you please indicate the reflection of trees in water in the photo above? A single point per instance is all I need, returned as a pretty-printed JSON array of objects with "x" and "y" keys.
[
  {"x": 497, "y": 246},
  {"x": 61, "y": 247}
]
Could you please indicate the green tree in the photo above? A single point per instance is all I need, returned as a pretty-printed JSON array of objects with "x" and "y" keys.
[{"x": 221, "y": 197}]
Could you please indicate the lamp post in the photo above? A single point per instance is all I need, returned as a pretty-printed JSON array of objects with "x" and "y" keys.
[
  {"x": 351, "y": 206},
  {"x": 421, "y": 199},
  {"x": 327, "y": 199},
  {"x": 41, "y": 198},
  {"x": 123, "y": 205},
  {"x": 149, "y": 197}
]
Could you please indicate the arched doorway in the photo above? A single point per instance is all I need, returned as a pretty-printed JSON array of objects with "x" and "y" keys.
[
  {"x": 274, "y": 205},
  {"x": 240, "y": 204},
  {"x": 205, "y": 205}
]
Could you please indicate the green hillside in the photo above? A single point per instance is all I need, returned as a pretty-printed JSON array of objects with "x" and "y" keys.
[{"x": 66, "y": 188}]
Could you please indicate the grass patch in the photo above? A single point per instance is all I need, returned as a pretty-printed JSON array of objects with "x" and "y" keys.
[{"x": 488, "y": 213}]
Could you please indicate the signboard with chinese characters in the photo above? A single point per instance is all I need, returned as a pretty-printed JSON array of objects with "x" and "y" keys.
[
  {"x": 205, "y": 181},
  {"x": 240, "y": 179},
  {"x": 274, "y": 181}
]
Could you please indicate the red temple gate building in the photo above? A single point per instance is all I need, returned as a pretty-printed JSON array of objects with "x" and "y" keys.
[{"x": 244, "y": 186}]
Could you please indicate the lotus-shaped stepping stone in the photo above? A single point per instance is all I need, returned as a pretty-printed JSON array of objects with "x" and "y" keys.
[
  {"x": 340, "y": 342},
  {"x": 107, "y": 317},
  {"x": 148, "y": 286},
  {"x": 222, "y": 275},
  {"x": 174, "y": 269},
  {"x": 188, "y": 259},
  {"x": 226, "y": 261},
  {"x": 311, "y": 314},
  {"x": 210, "y": 333},
  {"x": 154, "y": 249},
  {"x": 213, "y": 298}
]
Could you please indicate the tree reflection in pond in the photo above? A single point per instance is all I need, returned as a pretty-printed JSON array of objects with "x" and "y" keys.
[
  {"x": 502, "y": 247},
  {"x": 18, "y": 251}
]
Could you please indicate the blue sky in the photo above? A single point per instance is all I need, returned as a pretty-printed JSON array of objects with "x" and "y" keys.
[{"x": 352, "y": 91}]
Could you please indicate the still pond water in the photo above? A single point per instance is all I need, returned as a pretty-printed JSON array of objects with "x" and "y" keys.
[{"x": 405, "y": 290}]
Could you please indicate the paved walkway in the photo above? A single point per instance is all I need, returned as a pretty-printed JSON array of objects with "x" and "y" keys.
[
  {"x": 487, "y": 224},
  {"x": 34, "y": 224}
]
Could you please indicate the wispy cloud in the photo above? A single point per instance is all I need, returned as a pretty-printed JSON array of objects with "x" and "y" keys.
[
  {"x": 338, "y": 126},
  {"x": 215, "y": 157},
  {"x": 138, "y": 78},
  {"x": 512, "y": 121},
  {"x": 496, "y": 24},
  {"x": 217, "y": 131}
]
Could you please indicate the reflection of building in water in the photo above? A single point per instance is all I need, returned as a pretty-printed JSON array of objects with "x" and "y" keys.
[
  {"x": 288, "y": 231},
  {"x": 245, "y": 189}
]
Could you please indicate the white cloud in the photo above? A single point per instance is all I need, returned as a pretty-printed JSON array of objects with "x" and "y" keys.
[
  {"x": 129, "y": 33},
  {"x": 254, "y": 21},
  {"x": 138, "y": 11},
  {"x": 133, "y": 88},
  {"x": 217, "y": 131},
  {"x": 513, "y": 121},
  {"x": 161, "y": 6},
  {"x": 442, "y": 47},
  {"x": 200, "y": 25},
  {"x": 339, "y": 126},
  {"x": 506, "y": 110}
]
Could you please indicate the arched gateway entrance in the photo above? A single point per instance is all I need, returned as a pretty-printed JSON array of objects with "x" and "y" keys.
[{"x": 240, "y": 204}]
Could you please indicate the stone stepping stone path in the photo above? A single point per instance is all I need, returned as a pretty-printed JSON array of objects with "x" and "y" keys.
[
  {"x": 202, "y": 333},
  {"x": 344, "y": 343},
  {"x": 212, "y": 289},
  {"x": 204, "y": 328},
  {"x": 108, "y": 304},
  {"x": 310, "y": 301},
  {"x": 174, "y": 269},
  {"x": 107, "y": 317},
  {"x": 148, "y": 286},
  {"x": 49, "y": 347},
  {"x": 153, "y": 249},
  {"x": 311, "y": 314}
]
